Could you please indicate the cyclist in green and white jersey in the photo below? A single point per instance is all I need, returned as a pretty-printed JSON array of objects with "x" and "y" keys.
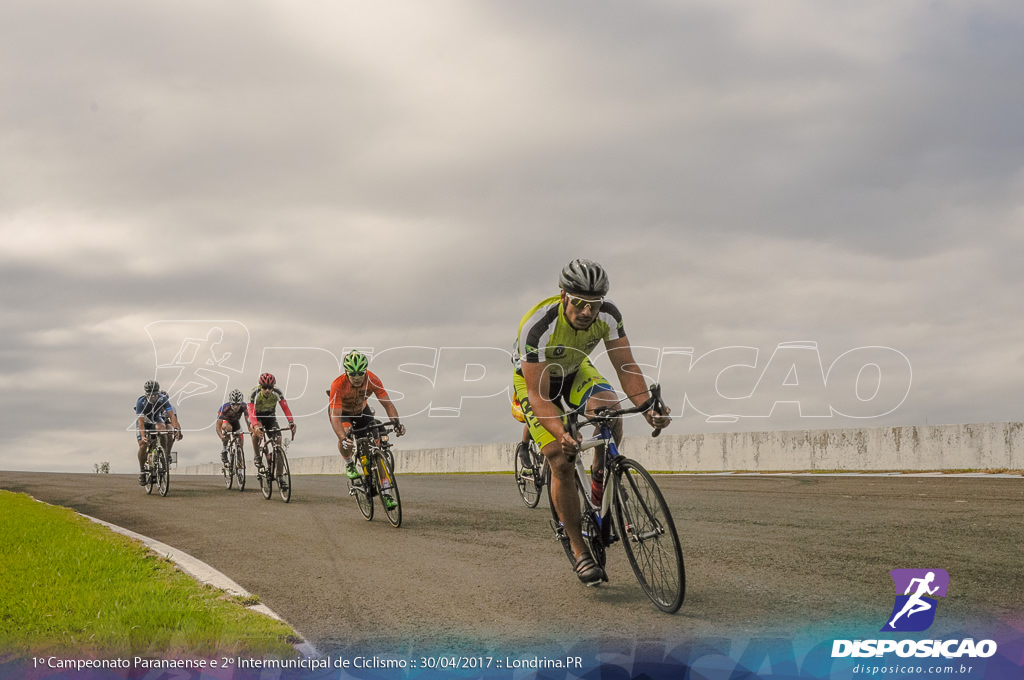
[{"x": 552, "y": 362}]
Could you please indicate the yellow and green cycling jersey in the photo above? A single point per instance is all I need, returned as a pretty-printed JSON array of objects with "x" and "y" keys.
[{"x": 547, "y": 337}]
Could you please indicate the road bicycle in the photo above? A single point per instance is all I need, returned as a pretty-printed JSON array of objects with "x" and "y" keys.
[
  {"x": 158, "y": 463},
  {"x": 274, "y": 452},
  {"x": 634, "y": 504},
  {"x": 234, "y": 471},
  {"x": 532, "y": 479},
  {"x": 375, "y": 463}
]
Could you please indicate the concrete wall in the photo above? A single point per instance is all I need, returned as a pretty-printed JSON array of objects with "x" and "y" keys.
[{"x": 983, "y": 446}]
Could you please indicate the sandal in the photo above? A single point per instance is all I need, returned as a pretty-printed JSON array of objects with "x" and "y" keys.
[{"x": 589, "y": 571}]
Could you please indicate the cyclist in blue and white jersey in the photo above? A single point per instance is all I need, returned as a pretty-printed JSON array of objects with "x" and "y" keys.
[{"x": 154, "y": 414}]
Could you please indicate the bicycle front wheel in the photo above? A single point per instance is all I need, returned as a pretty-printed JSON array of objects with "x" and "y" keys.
[
  {"x": 154, "y": 455},
  {"x": 163, "y": 473},
  {"x": 360, "y": 488},
  {"x": 394, "y": 512},
  {"x": 240, "y": 469},
  {"x": 267, "y": 478},
  {"x": 284, "y": 476},
  {"x": 229, "y": 470},
  {"x": 649, "y": 535}
]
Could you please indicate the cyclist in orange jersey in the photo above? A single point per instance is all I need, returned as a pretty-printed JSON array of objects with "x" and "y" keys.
[{"x": 349, "y": 407}]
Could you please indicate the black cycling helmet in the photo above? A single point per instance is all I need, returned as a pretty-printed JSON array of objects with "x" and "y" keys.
[
  {"x": 584, "y": 277},
  {"x": 151, "y": 387},
  {"x": 236, "y": 397}
]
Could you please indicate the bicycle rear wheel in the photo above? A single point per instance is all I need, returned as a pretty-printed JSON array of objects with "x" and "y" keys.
[
  {"x": 284, "y": 475},
  {"x": 394, "y": 514},
  {"x": 163, "y": 473},
  {"x": 649, "y": 535},
  {"x": 527, "y": 483},
  {"x": 588, "y": 527}
]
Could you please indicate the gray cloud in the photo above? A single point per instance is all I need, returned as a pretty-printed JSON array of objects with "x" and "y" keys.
[{"x": 338, "y": 177}]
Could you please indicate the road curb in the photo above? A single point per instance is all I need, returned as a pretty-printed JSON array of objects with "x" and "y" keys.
[{"x": 204, "y": 573}]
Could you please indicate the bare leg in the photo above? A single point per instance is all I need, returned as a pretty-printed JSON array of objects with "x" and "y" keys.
[{"x": 564, "y": 496}]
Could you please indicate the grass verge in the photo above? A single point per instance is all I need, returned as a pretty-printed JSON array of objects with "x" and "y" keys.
[{"x": 73, "y": 586}]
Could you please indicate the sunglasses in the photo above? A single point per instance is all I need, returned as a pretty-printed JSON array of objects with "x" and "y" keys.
[
  {"x": 581, "y": 302},
  {"x": 360, "y": 374}
]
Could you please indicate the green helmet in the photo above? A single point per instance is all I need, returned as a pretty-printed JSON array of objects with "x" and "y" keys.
[{"x": 355, "y": 362}]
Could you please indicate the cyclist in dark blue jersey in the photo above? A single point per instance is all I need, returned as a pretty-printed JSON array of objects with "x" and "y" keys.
[
  {"x": 229, "y": 419},
  {"x": 155, "y": 417}
]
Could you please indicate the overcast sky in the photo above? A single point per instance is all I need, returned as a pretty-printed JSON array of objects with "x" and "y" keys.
[{"x": 200, "y": 192}]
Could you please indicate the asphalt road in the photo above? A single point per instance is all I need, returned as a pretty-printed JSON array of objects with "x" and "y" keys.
[{"x": 472, "y": 568}]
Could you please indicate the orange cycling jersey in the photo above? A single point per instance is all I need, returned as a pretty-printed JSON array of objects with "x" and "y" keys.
[{"x": 351, "y": 400}]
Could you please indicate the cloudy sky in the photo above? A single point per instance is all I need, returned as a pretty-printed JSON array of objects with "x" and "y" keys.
[{"x": 810, "y": 211}]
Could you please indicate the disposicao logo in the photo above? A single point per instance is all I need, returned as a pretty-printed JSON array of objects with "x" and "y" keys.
[
  {"x": 914, "y": 611},
  {"x": 916, "y": 592}
]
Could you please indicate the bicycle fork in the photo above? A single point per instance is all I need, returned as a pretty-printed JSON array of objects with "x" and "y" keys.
[{"x": 628, "y": 525}]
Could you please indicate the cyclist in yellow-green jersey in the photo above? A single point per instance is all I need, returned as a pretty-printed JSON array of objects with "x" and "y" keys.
[{"x": 551, "y": 354}]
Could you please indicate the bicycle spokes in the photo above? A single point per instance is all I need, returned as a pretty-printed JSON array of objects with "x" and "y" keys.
[
  {"x": 649, "y": 536},
  {"x": 640, "y": 521}
]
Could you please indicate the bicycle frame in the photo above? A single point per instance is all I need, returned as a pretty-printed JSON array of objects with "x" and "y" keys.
[
  {"x": 235, "y": 467},
  {"x": 603, "y": 437},
  {"x": 600, "y": 515},
  {"x": 633, "y": 510},
  {"x": 270, "y": 440},
  {"x": 163, "y": 433},
  {"x": 371, "y": 442},
  {"x": 611, "y": 452},
  {"x": 277, "y": 468},
  {"x": 158, "y": 462},
  {"x": 374, "y": 457},
  {"x": 237, "y": 437}
]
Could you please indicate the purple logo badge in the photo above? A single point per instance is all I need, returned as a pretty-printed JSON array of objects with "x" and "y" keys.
[{"x": 916, "y": 592}]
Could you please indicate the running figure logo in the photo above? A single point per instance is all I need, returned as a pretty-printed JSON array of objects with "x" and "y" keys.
[
  {"x": 914, "y": 610},
  {"x": 199, "y": 360}
]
